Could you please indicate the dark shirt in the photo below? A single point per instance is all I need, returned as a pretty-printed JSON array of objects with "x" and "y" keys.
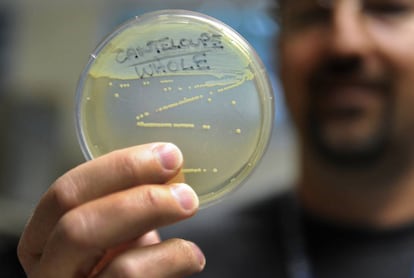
[
  {"x": 271, "y": 238},
  {"x": 9, "y": 264}
]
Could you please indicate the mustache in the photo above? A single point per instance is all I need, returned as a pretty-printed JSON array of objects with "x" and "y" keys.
[{"x": 337, "y": 73}]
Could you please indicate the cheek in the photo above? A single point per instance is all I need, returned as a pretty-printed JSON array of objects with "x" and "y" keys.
[
  {"x": 399, "y": 55},
  {"x": 404, "y": 107},
  {"x": 298, "y": 58},
  {"x": 396, "y": 47}
]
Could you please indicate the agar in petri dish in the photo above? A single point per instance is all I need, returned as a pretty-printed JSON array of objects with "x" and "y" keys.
[{"x": 182, "y": 77}]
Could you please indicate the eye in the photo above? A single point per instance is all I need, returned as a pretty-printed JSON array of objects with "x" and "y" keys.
[
  {"x": 390, "y": 8},
  {"x": 316, "y": 15}
]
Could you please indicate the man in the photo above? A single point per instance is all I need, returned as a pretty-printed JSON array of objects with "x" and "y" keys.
[{"x": 347, "y": 68}]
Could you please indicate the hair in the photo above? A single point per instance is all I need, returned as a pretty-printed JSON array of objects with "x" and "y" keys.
[{"x": 275, "y": 9}]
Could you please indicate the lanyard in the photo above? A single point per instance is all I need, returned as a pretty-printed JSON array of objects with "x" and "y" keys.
[{"x": 296, "y": 260}]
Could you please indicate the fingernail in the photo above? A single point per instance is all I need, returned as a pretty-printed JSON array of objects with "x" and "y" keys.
[
  {"x": 200, "y": 256},
  {"x": 185, "y": 196},
  {"x": 169, "y": 156}
]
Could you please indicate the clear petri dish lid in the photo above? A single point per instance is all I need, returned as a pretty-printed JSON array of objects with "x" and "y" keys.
[{"x": 182, "y": 77}]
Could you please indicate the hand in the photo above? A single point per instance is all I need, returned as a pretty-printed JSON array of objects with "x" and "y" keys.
[{"x": 99, "y": 219}]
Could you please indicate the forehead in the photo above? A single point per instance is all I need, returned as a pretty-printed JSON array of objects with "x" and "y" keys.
[
  {"x": 282, "y": 8},
  {"x": 327, "y": 3},
  {"x": 289, "y": 3}
]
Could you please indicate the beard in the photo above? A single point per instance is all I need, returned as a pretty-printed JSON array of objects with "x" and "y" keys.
[
  {"x": 350, "y": 115},
  {"x": 360, "y": 153}
]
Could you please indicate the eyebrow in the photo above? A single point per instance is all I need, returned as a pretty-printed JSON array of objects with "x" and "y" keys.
[{"x": 282, "y": 4}]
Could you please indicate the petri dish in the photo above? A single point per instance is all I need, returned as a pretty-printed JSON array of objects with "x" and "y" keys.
[{"x": 182, "y": 77}]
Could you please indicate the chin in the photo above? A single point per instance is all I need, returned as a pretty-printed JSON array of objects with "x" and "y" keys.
[{"x": 349, "y": 150}]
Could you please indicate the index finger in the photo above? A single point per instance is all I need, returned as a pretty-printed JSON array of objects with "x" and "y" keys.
[{"x": 153, "y": 163}]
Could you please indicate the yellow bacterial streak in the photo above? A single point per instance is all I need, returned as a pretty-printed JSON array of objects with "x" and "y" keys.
[
  {"x": 179, "y": 103},
  {"x": 196, "y": 170},
  {"x": 162, "y": 125},
  {"x": 183, "y": 125},
  {"x": 165, "y": 125},
  {"x": 192, "y": 171},
  {"x": 246, "y": 77},
  {"x": 165, "y": 81}
]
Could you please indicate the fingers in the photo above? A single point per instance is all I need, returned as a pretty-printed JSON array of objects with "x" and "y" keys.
[
  {"x": 149, "y": 238},
  {"x": 172, "y": 258},
  {"x": 117, "y": 171},
  {"x": 85, "y": 234}
]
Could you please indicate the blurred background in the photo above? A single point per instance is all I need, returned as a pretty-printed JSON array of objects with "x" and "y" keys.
[{"x": 44, "y": 45}]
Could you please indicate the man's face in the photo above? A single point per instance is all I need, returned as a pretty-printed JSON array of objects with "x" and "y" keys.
[{"x": 347, "y": 68}]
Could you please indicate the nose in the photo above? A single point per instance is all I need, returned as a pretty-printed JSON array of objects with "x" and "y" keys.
[{"x": 348, "y": 36}]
